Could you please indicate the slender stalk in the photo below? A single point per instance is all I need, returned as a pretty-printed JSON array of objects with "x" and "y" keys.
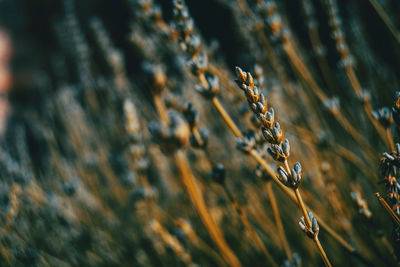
[
  {"x": 315, "y": 239},
  {"x": 302, "y": 207},
  {"x": 389, "y": 138},
  {"x": 271, "y": 56},
  {"x": 321, "y": 221},
  {"x": 256, "y": 238},
  {"x": 196, "y": 197},
  {"x": 172, "y": 242},
  {"x": 161, "y": 109},
  {"x": 254, "y": 154},
  {"x": 322, "y": 252},
  {"x": 278, "y": 221},
  {"x": 195, "y": 194},
  {"x": 198, "y": 136},
  {"x": 225, "y": 116},
  {"x": 386, "y": 206}
]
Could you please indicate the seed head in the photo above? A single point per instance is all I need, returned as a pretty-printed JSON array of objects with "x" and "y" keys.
[
  {"x": 213, "y": 87},
  {"x": 384, "y": 116},
  {"x": 311, "y": 230}
]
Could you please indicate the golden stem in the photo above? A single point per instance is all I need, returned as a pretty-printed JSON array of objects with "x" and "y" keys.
[
  {"x": 316, "y": 241},
  {"x": 289, "y": 192},
  {"x": 198, "y": 136},
  {"x": 203, "y": 80},
  {"x": 278, "y": 221},
  {"x": 271, "y": 56},
  {"x": 322, "y": 252},
  {"x": 388, "y": 209},
  {"x": 292, "y": 197},
  {"x": 225, "y": 116},
  {"x": 161, "y": 109},
  {"x": 196, "y": 197},
  {"x": 287, "y": 168},
  {"x": 302, "y": 207}
]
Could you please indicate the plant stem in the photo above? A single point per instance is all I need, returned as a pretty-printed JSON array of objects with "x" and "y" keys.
[
  {"x": 321, "y": 222},
  {"x": 196, "y": 197},
  {"x": 321, "y": 251},
  {"x": 302, "y": 207},
  {"x": 161, "y": 109},
  {"x": 254, "y": 154},
  {"x": 225, "y": 116},
  {"x": 388, "y": 209},
  {"x": 315, "y": 239}
]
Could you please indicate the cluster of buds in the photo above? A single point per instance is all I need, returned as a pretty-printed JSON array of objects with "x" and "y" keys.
[
  {"x": 269, "y": 12},
  {"x": 173, "y": 136},
  {"x": 157, "y": 76},
  {"x": 191, "y": 44},
  {"x": 133, "y": 128},
  {"x": 361, "y": 204},
  {"x": 294, "y": 179},
  {"x": 198, "y": 138},
  {"x": 390, "y": 163},
  {"x": 248, "y": 142},
  {"x": 384, "y": 116},
  {"x": 212, "y": 88},
  {"x": 338, "y": 36},
  {"x": 189, "y": 41},
  {"x": 364, "y": 96},
  {"x": 271, "y": 129},
  {"x": 311, "y": 231},
  {"x": 114, "y": 57},
  {"x": 149, "y": 9},
  {"x": 309, "y": 13},
  {"x": 332, "y": 105},
  {"x": 172, "y": 242}
]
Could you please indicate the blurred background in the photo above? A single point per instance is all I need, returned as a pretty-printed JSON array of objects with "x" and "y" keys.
[{"x": 88, "y": 171}]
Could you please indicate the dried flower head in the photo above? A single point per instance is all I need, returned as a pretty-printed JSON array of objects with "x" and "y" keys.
[
  {"x": 312, "y": 230},
  {"x": 384, "y": 116},
  {"x": 213, "y": 87},
  {"x": 173, "y": 136},
  {"x": 292, "y": 180},
  {"x": 332, "y": 105}
]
